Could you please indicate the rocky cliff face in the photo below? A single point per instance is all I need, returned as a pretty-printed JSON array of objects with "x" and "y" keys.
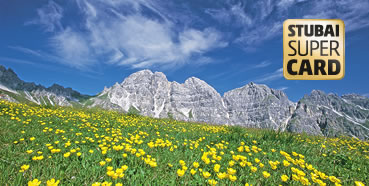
[
  {"x": 253, "y": 105},
  {"x": 153, "y": 95},
  {"x": 258, "y": 106},
  {"x": 331, "y": 115}
]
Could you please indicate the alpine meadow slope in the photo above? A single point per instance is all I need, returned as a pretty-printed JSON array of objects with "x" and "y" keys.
[{"x": 253, "y": 105}]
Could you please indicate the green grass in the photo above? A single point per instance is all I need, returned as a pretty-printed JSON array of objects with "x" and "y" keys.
[{"x": 345, "y": 158}]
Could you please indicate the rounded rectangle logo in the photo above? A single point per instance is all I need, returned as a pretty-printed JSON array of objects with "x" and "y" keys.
[{"x": 313, "y": 49}]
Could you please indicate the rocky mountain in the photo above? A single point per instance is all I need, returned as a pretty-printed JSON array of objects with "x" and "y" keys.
[
  {"x": 14, "y": 89},
  {"x": 153, "y": 95},
  {"x": 253, "y": 105},
  {"x": 331, "y": 115},
  {"x": 258, "y": 106}
]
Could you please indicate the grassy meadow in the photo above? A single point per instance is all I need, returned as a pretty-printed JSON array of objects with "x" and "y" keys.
[{"x": 66, "y": 146}]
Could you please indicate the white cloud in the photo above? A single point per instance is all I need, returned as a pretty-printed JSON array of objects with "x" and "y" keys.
[
  {"x": 354, "y": 13},
  {"x": 115, "y": 36},
  {"x": 14, "y": 60},
  {"x": 270, "y": 76},
  {"x": 49, "y": 16},
  {"x": 282, "y": 88},
  {"x": 26, "y": 50},
  {"x": 285, "y": 4},
  {"x": 262, "y": 20},
  {"x": 232, "y": 13},
  {"x": 73, "y": 48},
  {"x": 263, "y": 64},
  {"x": 150, "y": 33}
]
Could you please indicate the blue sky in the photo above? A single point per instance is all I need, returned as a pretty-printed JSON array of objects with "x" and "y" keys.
[{"x": 87, "y": 45}]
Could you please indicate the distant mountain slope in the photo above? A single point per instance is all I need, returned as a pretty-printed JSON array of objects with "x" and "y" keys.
[
  {"x": 14, "y": 89},
  {"x": 252, "y": 105},
  {"x": 331, "y": 115}
]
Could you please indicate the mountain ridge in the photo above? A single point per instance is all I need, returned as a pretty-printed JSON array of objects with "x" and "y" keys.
[{"x": 252, "y": 105}]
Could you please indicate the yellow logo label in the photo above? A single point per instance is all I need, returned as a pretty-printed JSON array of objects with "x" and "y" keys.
[{"x": 314, "y": 49}]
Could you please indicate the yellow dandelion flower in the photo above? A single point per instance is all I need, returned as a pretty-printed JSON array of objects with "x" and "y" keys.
[
  {"x": 24, "y": 168},
  {"x": 231, "y": 163},
  {"x": 206, "y": 174},
  {"x": 212, "y": 182},
  {"x": 153, "y": 164},
  {"x": 359, "y": 183},
  {"x": 52, "y": 182},
  {"x": 266, "y": 174},
  {"x": 109, "y": 168},
  {"x": 180, "y": 172},
  {"x": 284, "y": 178},
  {"x": 102, "y": 163},
  {"x": 66, "y": 155},
  {"x": 124, "y": 167},
  {"x": 261, "y": 165},
  {"x": 196, "y": 164},
  {"x": 253, "y": 169},
  {"x": 193, "y": 171},
  {"x": 231, "y": 171},
  {"x": 105, "y": 183},
  {"x": 232, "y": 178},
  {"x": 34, "y": 182},
  {"x": 222, "y": 175},
  {"x": 216, "y": 167}
]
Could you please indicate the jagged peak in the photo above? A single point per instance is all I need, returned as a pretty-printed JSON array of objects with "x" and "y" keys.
[
  {"x": 354, "y": 95},
  {"x": 159, "y": 74},
  {"x": 259, "y": 88},
  {"x": 56, "y": 86},
  {"x": 252, "y": 85},
  {"x": 255, "y": 85},
  {"x": 314, "y": 91},
  {"x": 2, "y": 68},
  {"x": 193, "y": 78},
  {"x": 144, "y": 71},
  {"x": 9, "y": 71}
]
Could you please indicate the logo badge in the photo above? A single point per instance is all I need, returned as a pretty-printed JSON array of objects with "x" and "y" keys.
[{"x": 313, "y": 49}]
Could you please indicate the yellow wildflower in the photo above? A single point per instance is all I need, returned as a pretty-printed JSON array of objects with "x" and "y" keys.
[
  {"x": 195, "y": 164},
  {"x": 206, "y": 174},
  {"x": 212, "y": 182},
  {"x": 266, "y": 174},
  {"x": 180, "y": 172},
  {"x": 52, "y": 182},
  {"x": 232, "y": 178},
  {"x": 284, "y": 178},
  {"x": 34, "y": 182},
  {"x": 102, "y": 163}
]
